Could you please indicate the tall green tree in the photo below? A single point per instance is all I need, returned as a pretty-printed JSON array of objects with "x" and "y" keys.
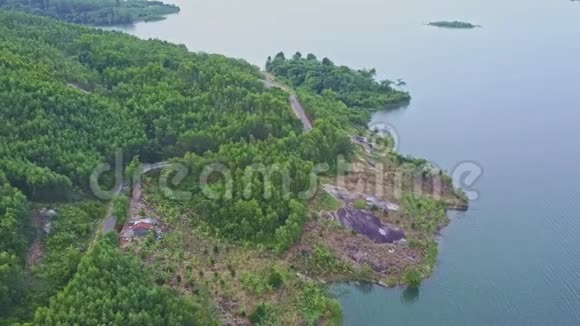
[{"x": 110, "y": 288}]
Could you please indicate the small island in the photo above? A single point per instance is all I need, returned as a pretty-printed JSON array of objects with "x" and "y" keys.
[
  {"x": 95, "y": 12},
  {"x": 453, "y": 24}
]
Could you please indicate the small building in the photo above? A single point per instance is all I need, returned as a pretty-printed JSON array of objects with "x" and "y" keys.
[
  {"x": 141, "y": 229},
  {"x": 136, "y": 229}
]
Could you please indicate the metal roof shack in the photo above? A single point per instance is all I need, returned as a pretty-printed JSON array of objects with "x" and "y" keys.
[
  {"x": 136, "y": 229},
  {"x": 141, "y": 229}
]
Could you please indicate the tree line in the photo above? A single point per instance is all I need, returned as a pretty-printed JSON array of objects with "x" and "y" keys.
[
  {"x": 94, "y": 12},
  {"x": 355, "y": 88}
]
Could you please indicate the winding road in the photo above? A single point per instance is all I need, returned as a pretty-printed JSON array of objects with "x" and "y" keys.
[
  {"x": 109, "y": 221},
  {"x": 270, "y": 81},
  {"x": 299, "y": 112}
]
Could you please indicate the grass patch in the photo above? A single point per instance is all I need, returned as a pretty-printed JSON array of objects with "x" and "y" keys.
[
  {"x": 359, "y": 204},
  {"x": 262, "y": 282},
  {"x": 315, "y": 305},
  {"x": 245, "y": 281},
  {"x": 426, "y": 214},
  {"x": 323, "y": 261},
  {"x": 324, "y": 202}
]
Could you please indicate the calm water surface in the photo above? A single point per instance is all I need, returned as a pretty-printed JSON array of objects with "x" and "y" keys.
[{"x": 506, "y": 96}]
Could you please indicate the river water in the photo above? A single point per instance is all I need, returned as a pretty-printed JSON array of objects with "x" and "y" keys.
[{"x": 505, "y": 96}]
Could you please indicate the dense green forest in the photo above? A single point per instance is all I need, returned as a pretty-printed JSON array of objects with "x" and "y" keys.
[
  {"x": 13, "y": 241},
  {"x": 62, "y": 249},
  {"x": 275, "y": 218},
  {"x": 94, "y": 12},
  {"x": 356, "y": 88},
  {"x": 81, "y": 94},
  {"x": 71, "y": 96},
  {"x": 110, "y": 288}
]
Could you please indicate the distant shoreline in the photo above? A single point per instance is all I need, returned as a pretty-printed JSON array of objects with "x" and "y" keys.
[{"x": 99, "y": 13}]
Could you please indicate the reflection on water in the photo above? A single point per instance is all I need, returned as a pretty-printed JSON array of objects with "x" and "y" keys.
[
  {"x": 346, "y": 289},
  {"x": 364, "y": 287},
  {"x": 410, "y": 295}
]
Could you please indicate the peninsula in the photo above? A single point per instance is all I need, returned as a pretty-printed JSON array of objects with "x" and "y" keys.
[{"x": 240, "y": 195}]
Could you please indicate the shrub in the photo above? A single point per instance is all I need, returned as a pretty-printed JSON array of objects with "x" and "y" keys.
[
  {"x": 315, "y": 305},
  {"x": 413, "y": 277},
  {"x": 366, "y": 273},
  {"x": 232, "y": 270},
  {"x": 325, "y": 202},
  {"x": 261, "y": 314},
  {"x": 275, "y": 279},
  {"x": 254, "y": 283},
  {"x": 121, "y": 208},
  {"x": 324, "y": 260}
]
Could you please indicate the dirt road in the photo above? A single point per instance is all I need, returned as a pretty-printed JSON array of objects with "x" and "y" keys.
[
  {"x": 270, "y": 81},
  {"x": 109, "y": 221},
  {"x": 299, "y": 111}
]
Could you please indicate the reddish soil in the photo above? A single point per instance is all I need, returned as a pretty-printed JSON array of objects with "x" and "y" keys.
[{"x": 35, "y": 250}]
